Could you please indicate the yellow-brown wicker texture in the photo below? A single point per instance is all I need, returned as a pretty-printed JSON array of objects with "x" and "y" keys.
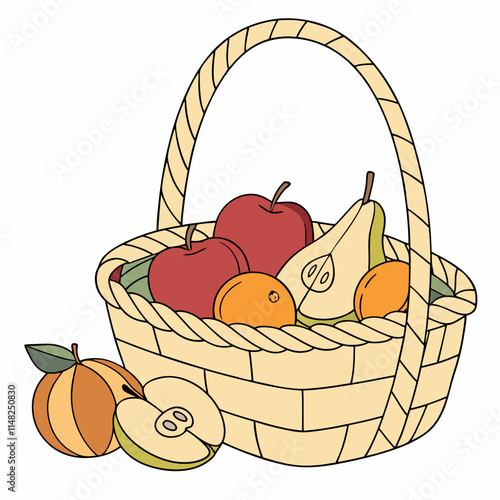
[{"x": 339, "y": 392}]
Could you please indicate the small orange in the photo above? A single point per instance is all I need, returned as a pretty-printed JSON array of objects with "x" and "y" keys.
[
  {"x": 73, "y": 409},
  {"x": 383, "y": 289},
  {"x": 255, "y": 299}
]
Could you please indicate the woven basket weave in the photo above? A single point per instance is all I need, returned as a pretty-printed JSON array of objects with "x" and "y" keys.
[{"x": 301, "y": 396}]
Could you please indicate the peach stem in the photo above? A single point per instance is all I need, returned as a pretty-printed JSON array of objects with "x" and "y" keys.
[{"x": 75, "y": 354}]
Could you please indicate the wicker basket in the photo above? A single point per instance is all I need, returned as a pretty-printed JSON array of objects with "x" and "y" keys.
[{"x": 296, "y": 395}]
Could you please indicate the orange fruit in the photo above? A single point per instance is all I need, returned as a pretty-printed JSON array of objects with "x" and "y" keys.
[
  {"x": 255, "y": 299},
  {"x": 73, "y": 409},
  {"x": 383, "y": 289}
]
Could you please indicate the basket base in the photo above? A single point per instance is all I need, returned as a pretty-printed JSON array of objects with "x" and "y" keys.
[{"x": 285, "y": 446}]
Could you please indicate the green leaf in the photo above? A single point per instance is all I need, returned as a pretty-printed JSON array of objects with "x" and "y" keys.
[
  {"x": 141, "y": 287},
  {"x": 439, "y": 289},
  {"x": 134, "y": 277},
  {"x": 50, "y": 358},
  {"x": 130, "y": 266}
]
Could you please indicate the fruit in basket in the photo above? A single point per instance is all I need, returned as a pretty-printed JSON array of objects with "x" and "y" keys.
[
  {"x": 175, "y": 426},
  {"x": 116, "y": 274},
  {"x": 382, "y": 290},
  {"x": 134, "y": 277},
  {"x": 255, "y": 299},
  {"x": 187, "y": 278},
  {"x": 439, "y": 289},
  {"x": 324, "y": 275},
  {"x": 268, "y": 232},
  {"x": 385, "y": 288},
  {"x": 74, "y": 402}
]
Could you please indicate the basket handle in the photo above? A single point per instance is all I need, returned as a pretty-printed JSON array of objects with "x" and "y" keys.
[{"x": 179, "y": 155}]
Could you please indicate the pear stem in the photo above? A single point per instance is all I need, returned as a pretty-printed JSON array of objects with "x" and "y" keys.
[
  {"x": 189, "y": 235},
  {"x": 75, "y": 354},
  {"x": 368, "y": 187},
  {"x": 278, "y": 193}
]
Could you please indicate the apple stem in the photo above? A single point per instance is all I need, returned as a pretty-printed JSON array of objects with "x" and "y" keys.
[
  {"x": 278, "y": 193},
  {"x": 189, "y": 235},
  {"x": 368, "y": 188},
  {"x": 75, "y": 354},
  {"x": 130, "y": 390}
]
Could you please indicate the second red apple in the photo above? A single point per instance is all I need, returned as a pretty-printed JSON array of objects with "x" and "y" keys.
[{"x": 268, "y": 232}]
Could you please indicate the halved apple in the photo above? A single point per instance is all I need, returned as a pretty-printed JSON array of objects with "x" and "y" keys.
[{"x": 176, "y": 426}]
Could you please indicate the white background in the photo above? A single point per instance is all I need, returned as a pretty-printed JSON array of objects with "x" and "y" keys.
[{"x": 65, "y": 73}]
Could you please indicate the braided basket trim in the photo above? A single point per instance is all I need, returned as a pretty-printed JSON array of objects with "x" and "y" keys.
[{"x": 294, "y": 338}]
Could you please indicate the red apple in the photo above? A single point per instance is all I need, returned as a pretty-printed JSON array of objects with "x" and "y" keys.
[
  {"x": 116, "y": 274},
  {"x": 268, "y": 232},
  {"x": 187, "y": 278}
]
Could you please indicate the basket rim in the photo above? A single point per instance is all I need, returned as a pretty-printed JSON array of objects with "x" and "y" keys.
[{"x": 294, "y": 338}]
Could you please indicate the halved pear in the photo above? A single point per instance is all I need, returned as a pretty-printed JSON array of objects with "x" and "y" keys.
[
  {"x": 323, "y": 276},
  {"x": 176, "y": 426}
]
